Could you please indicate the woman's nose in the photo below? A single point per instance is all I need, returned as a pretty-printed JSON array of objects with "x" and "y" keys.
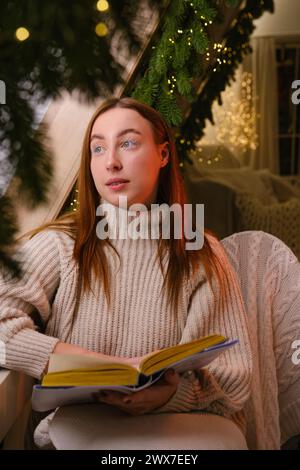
[{"x": 112, "y": 160}]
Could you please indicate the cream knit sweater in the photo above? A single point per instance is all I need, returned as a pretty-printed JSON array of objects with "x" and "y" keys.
[{"x": 139, "y": 321}]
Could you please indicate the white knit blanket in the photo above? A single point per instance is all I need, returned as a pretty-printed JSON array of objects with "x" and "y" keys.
[{"x": 269, "y": 274}]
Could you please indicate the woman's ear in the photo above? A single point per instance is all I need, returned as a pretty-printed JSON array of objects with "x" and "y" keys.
[{"x": 164, "y": 153}]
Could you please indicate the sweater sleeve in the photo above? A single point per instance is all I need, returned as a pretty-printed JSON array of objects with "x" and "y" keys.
[
  {"x": 22, "y": 347},
  {"x": 224, "y": 385}
]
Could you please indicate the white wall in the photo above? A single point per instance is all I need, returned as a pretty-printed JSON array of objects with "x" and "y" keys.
[{"x": 284, "y": 21}]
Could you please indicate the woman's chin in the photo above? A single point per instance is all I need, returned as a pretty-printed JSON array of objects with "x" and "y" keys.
[
  {"x": 122, "y": 198},
  {"x": 119, "y": 198}
]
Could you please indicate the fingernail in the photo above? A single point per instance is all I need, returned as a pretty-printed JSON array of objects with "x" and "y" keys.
[{"x": 127, "y": 400}]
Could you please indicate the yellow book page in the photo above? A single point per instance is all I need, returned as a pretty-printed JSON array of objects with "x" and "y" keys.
[
  {"x": 101, "y": 376},
  {"x": 64, "y": 362},
  {"x": 157, "y": 360}
]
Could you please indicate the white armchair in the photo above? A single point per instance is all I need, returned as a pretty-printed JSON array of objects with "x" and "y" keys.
[{"x": 269, "y": 276}]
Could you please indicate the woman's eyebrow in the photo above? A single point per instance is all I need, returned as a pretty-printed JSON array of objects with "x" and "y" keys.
[{"x": 125, "y": 131}]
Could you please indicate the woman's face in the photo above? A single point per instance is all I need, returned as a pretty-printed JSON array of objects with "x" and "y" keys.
[{"x": 122, "y": 146}]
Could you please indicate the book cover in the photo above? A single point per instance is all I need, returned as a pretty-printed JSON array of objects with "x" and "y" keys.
[{"x": 73, "y": 379}]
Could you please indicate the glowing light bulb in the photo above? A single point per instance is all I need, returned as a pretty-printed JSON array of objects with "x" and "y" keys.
[
  {"x": 101, "y": 29},
  {"x": 102, "y": 5},
  {"x": 22, "y": 34}
]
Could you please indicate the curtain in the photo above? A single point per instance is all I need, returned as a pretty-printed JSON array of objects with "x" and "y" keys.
[{"x": 262, "y": 64}]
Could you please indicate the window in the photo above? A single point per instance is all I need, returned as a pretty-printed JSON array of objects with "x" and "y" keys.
[{"x": 288, "y": 70}]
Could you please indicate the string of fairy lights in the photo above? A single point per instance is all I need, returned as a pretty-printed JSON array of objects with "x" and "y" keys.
[
  {"x": 75, "y": 203},
  {"x": 235, "y": 123}
]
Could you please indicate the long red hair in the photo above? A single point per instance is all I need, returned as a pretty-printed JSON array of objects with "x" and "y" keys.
[{"x": 89, "y": 250}]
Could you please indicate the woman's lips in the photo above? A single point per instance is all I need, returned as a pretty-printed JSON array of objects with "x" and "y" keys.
[{"x": 117, "y": 186}]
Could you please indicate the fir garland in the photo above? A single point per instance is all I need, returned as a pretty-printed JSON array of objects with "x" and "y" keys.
[{"x": 171, "y": 65}]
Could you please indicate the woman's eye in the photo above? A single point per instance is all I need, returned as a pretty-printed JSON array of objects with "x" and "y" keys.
[
  {"x": 126, "y": 144},
  {"x": 96, "y": 149}
]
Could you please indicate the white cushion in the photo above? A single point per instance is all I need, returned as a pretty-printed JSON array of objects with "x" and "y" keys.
[
  {"x": 281, "y": 219},
  {"x": 244, "y": 179},
  {"x": 100, "y": 426},
  {"x": 285, "y": 187}
]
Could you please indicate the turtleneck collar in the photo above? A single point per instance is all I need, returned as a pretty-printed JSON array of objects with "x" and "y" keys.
[{"x": 133, "y": 222}]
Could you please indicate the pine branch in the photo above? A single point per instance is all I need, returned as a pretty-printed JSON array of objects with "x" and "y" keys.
[{"x": 170, "y": 64}]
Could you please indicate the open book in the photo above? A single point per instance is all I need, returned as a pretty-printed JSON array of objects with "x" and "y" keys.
[{"x": 74, "y": 378}]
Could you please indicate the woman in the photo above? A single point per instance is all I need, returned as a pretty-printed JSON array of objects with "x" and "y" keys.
[{"x": 124, "y": 298}]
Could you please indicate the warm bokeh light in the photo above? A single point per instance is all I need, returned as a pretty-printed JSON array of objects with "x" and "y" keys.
[
  {"x": 101, "y": 29},
  {"x": 102, "y": 5},
  {"x": 237, "y": 120},
  {"x": 22, "y": 34}
]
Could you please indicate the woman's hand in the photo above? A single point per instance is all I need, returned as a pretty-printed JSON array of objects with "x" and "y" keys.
[{"x": 146, "y": 400}]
